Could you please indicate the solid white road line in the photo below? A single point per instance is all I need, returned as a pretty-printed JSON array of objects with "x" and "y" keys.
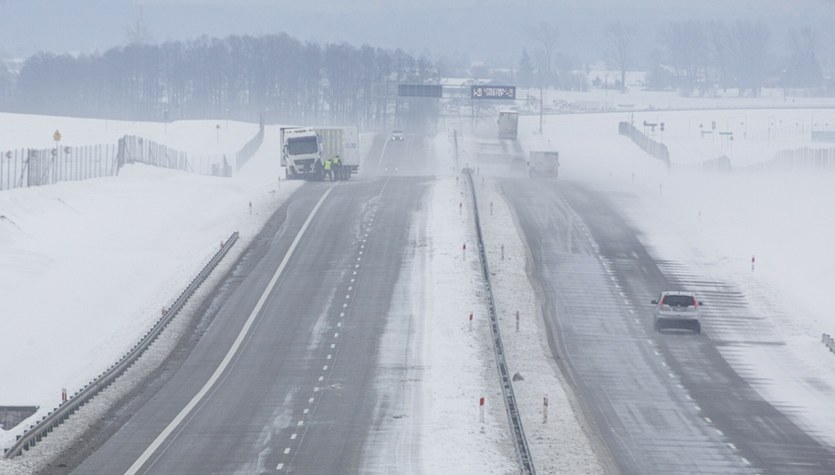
[{"x": 232, "y": 351}]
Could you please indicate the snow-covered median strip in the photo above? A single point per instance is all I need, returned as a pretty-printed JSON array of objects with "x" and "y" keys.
[{"x": 460, "y": 366}]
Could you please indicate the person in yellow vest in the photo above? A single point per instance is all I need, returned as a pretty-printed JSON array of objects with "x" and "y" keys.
[
  {"x": 337, "y": 168},
  {"x": 328, "y": 165}
]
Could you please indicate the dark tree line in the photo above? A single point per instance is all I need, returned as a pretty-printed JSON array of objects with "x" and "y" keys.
[
  {"x": 239, "y": 77},
  {"x": 694, "y": 56},
  {"x": 697, "y": 56}
]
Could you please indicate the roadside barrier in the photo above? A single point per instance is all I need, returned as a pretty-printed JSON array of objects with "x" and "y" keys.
[
  {"x": 56, "y": 417},
  {"x": 520, "y": 442}
]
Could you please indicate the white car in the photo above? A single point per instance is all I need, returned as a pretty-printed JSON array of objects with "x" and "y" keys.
[
  {"x": 397, "y": 134},
  {"x": 677, "y": 310}
]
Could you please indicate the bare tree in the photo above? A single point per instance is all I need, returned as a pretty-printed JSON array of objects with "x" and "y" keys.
[
  {"x": 804, "y": 69},
  {"x": 621, "y": 37},
  {"x": 138, "y": 32},
  {"x": 685, "y": 44},
  {"x": 750, "y": 41},
  {"x": 546, "y": 35}
]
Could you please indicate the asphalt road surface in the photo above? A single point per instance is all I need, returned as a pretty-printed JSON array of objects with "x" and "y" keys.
[
  {"x": 301, "y": 394},
  {"x": 662, "y": 403}
]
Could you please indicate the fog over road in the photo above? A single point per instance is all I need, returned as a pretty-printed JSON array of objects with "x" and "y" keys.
[{"x": 663, "y": 403}]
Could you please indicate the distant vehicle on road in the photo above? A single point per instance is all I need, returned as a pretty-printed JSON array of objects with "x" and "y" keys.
[
  {"x": 544, "y": 163},
  {"x": 508, "y": 124},
  {"x": 675, "y": 309},
  {"x": 397, "y": 135}
]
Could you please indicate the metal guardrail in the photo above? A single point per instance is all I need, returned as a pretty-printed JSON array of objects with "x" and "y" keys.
[
  {"x": 520, "y": 442},
  {"x": 829, "y": 342},
  {"x": 40, "y": 430}
]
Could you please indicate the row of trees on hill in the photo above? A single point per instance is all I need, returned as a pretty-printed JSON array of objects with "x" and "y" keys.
[
  {"x": 692, "y": 55},
  {"x": 236, "y": 77}
]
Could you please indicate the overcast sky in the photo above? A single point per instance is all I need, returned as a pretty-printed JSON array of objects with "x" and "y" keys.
[{"x": 483, "y": 29}]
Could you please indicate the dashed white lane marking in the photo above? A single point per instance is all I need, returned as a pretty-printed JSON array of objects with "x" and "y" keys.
[
  {"x": 293, "y": 436},
  {"x": 672, "y": 375},
  {"x": 632, "y": 311},
  {"x": 329, "y": 356},
  {"x": 233, "y": 350},
  {"x": 301, "y": 423},
  {"x": 745, "y": 461},
  {"x": 657, "y": 353},
  {"x": 637, "y": 320},
  {"x": 731, "y": 446},
  {"x": 707, "y": 419},
  {"x": 287, "y": 451}
]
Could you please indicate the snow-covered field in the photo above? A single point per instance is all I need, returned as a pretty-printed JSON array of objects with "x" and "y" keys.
[{"x": 69, "y": 251}]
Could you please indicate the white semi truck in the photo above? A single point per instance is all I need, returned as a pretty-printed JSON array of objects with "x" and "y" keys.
[
  {"x": 301, "y": 147},
  {"x": 508, "y": 124}
]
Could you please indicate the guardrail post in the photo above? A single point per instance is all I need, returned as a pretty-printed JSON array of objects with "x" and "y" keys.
[{"x": 37, "y": 431}]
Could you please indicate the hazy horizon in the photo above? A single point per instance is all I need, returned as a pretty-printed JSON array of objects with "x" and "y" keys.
[{"x": 490, "y": 30}]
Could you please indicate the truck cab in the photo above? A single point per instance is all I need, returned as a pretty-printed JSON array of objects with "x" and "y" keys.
[{"x": 301, "y": 148}]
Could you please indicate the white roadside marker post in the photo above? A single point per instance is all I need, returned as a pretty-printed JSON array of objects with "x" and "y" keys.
[{"x": 481, "y": 410}]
